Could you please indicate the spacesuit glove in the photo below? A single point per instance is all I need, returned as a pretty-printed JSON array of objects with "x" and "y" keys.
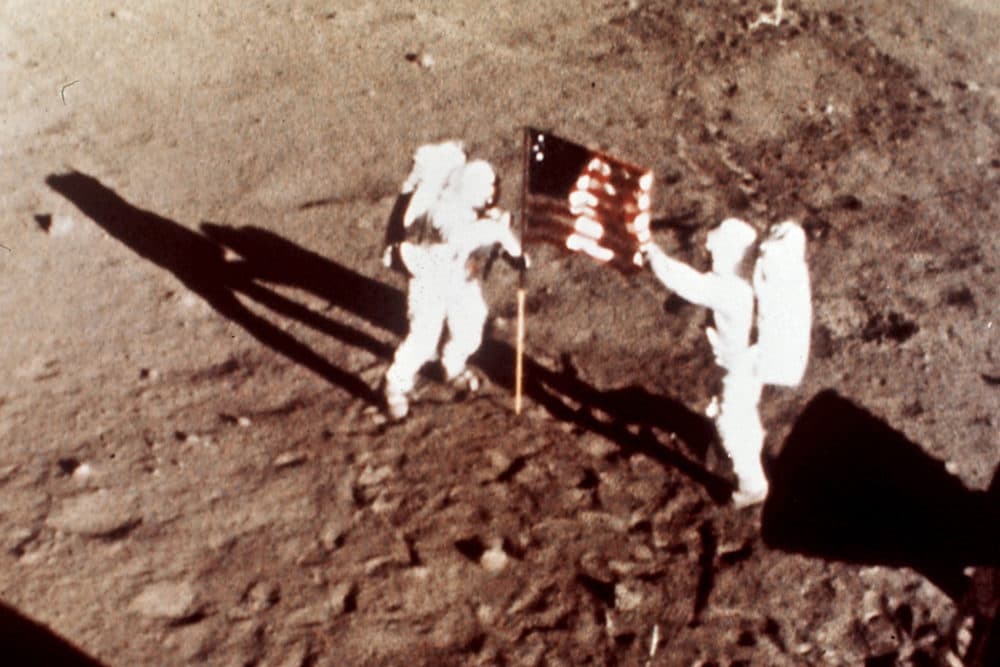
[
  {"x": 650, "y": 252},
  {"x": 518, "y": 262}
]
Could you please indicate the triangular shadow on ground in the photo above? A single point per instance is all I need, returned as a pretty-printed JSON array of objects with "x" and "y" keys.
[
  {"x": 26, "y": 642},
  {"x": 847, "y": 486},
  {"x": 198, "y": 261}
]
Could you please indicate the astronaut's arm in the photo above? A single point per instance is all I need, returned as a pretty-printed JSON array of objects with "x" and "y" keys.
[
  {"x": 497, "y": 231},
  {"x": 420, "y": 203},
  {"x": 690, "y": 284}
]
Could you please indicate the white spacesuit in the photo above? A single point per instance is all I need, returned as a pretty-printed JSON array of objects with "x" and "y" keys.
[
  {"x": 444, "y": 286},
  {"x": 784, "y": 318}
]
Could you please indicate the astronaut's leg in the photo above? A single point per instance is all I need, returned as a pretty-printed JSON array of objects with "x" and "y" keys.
[
  {"x": 426, "y": 313},
  {"x": 467, "y": 314},
  {"x": 742, "y": 435}
]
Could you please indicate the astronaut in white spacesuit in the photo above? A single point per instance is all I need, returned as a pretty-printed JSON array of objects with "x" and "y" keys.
[
  {"x": 451, "y": 204},
  {"x": 784, "y": 317}
]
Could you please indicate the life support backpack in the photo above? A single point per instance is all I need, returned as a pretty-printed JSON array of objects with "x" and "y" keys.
[
  {"x": 432, "y": 166},
  {"x": 784, "y": 307},
  {"x": 419, "y": 232}
]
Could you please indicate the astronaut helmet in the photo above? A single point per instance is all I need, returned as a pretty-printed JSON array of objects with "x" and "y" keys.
[
  {"x": 476, "y": 184},
  {"x": 787, "y": 237},
  {"x": 730, "y": 242}
]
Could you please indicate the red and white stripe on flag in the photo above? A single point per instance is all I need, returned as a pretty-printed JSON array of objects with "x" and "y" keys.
[{"x": 586, "y": 201}]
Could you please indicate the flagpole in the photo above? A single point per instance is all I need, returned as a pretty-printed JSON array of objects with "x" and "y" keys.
[{"x": 522, "y": 281}]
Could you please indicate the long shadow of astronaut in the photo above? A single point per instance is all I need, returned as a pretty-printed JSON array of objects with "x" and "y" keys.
[
  {"x": 200, "y": 264},
  {"x": 26, "y": 642},
  {"x": 198, "y": 261},
  {"x": 847, "y": 486}
]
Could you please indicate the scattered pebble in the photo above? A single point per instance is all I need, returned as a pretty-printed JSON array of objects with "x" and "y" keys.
[
  {"x": 627, "y": 598},
  {"x": 18, "y": 540},
  {"x": 953, "y": 660},
  {"x": 61, "y": 225},
  {"x": 96, "y": 514},
  {"x": 289, "y": 459},
  {"x": 604, "y": 521},
  {"x": 371, "y": 476},
  {"x": 534, "y": 595},
  {"x": 494, "y": 559},
  {"x": 455, "y": 630},
  {"x": 332, "y": 535},
  {"x": 83, "y": 472},
  {"x": 261, "y": 596},
  {"x": 6, "y": 472},
  {"x": 316, "y": 614},
  {"x": 167, "y": 600},
  {"x": 342, "y": 598},
  {"x": 963, "y": 637},
  {"x": 385, "y": 503},
  {"x": 871, "y": 605},
  {"x": 596, "y": 446}
]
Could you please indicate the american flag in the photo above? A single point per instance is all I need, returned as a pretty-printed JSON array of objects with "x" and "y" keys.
[{"x": 585, "y": 201}]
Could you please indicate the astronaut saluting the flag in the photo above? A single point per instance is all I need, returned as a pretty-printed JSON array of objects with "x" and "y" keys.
[
  {"x": 450, "y": 222},
  {"x": 779, "y": 294}
]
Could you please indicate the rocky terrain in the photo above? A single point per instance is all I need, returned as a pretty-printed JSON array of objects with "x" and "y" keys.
[{"x": 193, "y": 464}]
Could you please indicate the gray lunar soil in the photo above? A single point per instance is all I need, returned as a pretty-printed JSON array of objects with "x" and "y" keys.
[{"x": 195, "y": 321}]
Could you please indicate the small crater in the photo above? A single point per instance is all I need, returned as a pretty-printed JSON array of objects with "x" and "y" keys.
[
  {"x": 772, "y": 630},
  {"x": 601, "y": 590},
  {"x": 960, "y": 297},
  {"x": 847, "y": 202},
  {"x": 816, "y": 228},
  {"x": 884, "y": 660},
  {"x": 471, "y": 547},
  {"x": 590, "y": 480},
  {"x": 894, "y": 327},
  {"x": 68, "y": 466},
  {"x": 904, "y": 618},
  {"x": 966, "y": 257},
  {"x": 516, "y": 466}
]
